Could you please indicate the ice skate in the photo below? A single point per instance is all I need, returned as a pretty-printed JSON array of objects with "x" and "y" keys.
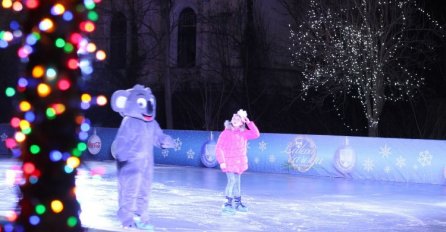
[
  {"x": 227, "y": 208},
  {"x": 144, "y": 226},
  {"x": 239, "y": 206}
]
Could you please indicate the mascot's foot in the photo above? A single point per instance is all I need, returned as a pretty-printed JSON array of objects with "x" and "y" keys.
[
  {"x": 139, "y": 226},
  {"x": 144, "y": 226}
]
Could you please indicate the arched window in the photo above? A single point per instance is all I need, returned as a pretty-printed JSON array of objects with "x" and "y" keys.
[
  {"x": 187, "y": 38},
  {"x": 118, "y": 41}
]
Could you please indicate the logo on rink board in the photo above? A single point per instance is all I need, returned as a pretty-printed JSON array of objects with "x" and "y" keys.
[
  {"x": 208, "y": 157},
  {"x": 94, "y": 144},
  {"x": 302, "y": 153},
  {"x": 345, "y": 158}
]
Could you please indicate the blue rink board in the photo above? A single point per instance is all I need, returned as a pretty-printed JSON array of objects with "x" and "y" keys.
[{"x": 363, "y": 158}]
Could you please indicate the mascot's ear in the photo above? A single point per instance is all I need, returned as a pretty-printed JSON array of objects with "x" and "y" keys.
[
  {"x": 148, "y": 90},
  {"x": 119, "y": 100}
]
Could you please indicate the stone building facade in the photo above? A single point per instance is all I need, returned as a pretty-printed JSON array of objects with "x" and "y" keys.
[
  {"x": 189, "y": 40},
  {"x": 221, "y": 54}
]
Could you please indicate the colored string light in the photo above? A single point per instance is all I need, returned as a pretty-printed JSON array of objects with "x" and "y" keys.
[
  {"x": 46, "y": 25},
  {"x": 10, "y": 92},
  {"x": 24, "y": 106},
  {"x": 15, "y": 122},
  {"x": 55, "y": 156},
  {"x": 19, "y": 137},
  {"x": 72, "y": 221},
  {"x": 57, "y": 206},
  {"x": 11, "y": 216},
  {"x": 101, "y": 100},
  {"x": 68, "y": 48},
  {"x": 67, "y": 16},
  {"x": 6, "y": 4},
  {"x": 40, "y": 209},
  {"x": 51, "y": 73},
  {"x": 57, "y": 9},
  {"x": 17, "y": 6},
  {"x": 34, "y": 220},
  {"x": 28, "y": 168},
  {"x": 32, "y": 4},
  {"x": 38, "y": 71},
  {"x": 43, "y": 90},
  {"x": 101, "y": 55},
  {"x": 63, "y": 84}
]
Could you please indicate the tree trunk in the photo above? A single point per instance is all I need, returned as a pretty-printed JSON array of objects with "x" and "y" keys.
[
  {"x": 133, "y": 66},
  {"x": 248, "y": 50},
  {"x": 165, "y": 17},
  {"x": 377, "y": 106},
  {"x": 373, "y": 130}
]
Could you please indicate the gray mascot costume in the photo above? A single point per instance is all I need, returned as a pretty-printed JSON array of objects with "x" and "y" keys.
[{"x": 133, "y": 150}]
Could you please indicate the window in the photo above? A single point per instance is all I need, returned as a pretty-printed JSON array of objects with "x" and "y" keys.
[
  {"x": 118, "y": 41},
  {"x": 187, "y": 38}
]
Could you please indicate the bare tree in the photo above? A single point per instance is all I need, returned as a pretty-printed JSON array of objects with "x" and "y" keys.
[
  {"x": 229, "y": 57},
  {"x": 368, "y": 51},
  {"x": 146, "y": 32},
  {"x": 217, "y": 80}
]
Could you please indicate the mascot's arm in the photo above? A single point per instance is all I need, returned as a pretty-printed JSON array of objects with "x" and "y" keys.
[
  {"x": 125, "y": 140},
  {"x": 162, "y": 140}
]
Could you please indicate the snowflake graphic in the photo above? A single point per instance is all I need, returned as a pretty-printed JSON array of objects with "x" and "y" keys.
[
  {"x": 272, "y": 158},
  {"x": 165, "y": 152},
  {"x": 425, "y": 158},
  {"x": 400, "y": 162},
  {"x": 387, "y": 169},
  {"x": 262, "y": 146},
  {"x": 256, "y": 160},
  {"x": 368, "y": 165},
  {"x": 385, "y": 151},
  {"x": 177, "y": 144},
  {"x": 190, "y": 154},
  {"x": 3, "y": 137}
]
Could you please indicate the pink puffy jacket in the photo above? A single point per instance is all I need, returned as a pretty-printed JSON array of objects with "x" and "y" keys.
[{"x": 231, "y": 147}]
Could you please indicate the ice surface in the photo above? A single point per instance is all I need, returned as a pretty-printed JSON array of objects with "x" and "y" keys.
[{"x": 190, "y": 199}]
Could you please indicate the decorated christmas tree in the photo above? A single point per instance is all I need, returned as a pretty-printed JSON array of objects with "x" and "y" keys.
[{"x": 50, "y": 128}]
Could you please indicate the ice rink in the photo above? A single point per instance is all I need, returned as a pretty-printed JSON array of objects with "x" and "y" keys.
[{"x": 190, "y": 199}]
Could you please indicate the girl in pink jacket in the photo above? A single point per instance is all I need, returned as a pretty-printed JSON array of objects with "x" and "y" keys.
[{"x": 231, "y": 155}]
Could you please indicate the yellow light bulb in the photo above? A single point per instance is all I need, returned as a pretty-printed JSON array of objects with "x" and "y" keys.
[
  {"x": 24, "y": 106},
  {"x": 73, "y": 162},
  {"x": 86, "y": 97},
  {"x": 38, "y": 71},
  {"x": 56, "y": 206},
  {"x": 43, "y": 90}
]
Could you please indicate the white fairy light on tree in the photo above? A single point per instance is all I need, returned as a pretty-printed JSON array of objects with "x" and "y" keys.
[{"x": 369, "y": 51}]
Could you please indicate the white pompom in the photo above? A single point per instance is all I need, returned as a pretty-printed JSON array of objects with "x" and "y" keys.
[{"x": 242, "y": 113}]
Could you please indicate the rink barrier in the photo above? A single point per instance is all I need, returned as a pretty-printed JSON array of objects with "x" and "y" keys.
[{"x": 362, "y": 158}]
